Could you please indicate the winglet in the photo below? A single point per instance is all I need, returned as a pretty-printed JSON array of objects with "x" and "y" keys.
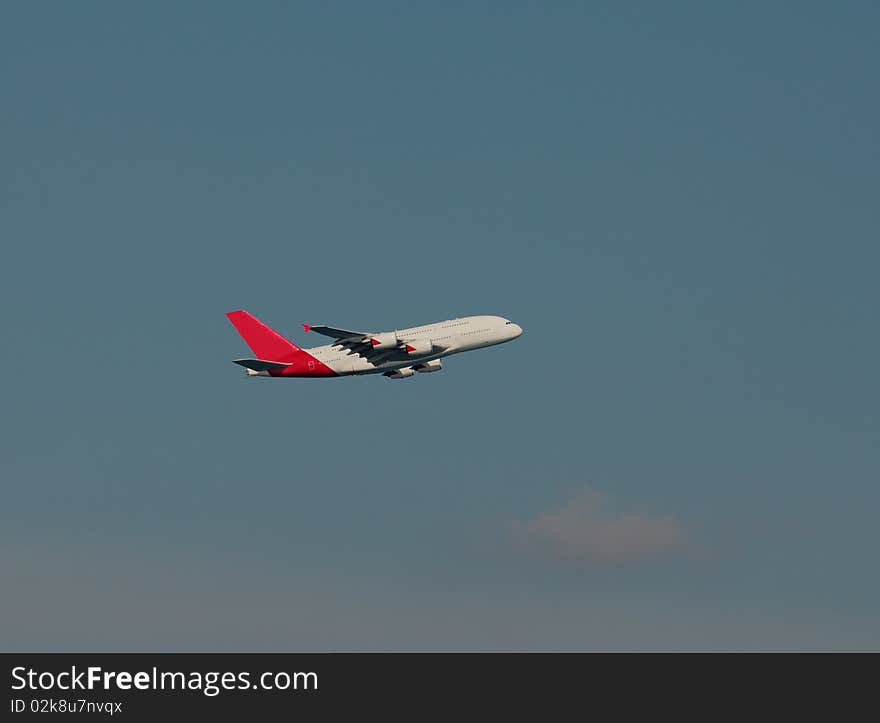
[{"x": 307, "y": 328}]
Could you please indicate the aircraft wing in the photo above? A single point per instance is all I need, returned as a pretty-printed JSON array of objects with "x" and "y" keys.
[
  {"x": 335, "y": 333},
  {"x": 358, "y": 342}
]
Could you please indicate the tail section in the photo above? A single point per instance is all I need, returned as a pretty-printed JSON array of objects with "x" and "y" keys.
[{"x": 264, "y": 341}]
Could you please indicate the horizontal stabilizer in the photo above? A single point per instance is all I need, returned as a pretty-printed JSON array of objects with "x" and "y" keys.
[{"x": 260, "y": 365}]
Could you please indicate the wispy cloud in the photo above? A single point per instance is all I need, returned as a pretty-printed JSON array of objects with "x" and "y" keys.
[{"x": 581, "y": 530}]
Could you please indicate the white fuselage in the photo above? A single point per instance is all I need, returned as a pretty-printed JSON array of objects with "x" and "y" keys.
[{"x": 454, "y": 336}]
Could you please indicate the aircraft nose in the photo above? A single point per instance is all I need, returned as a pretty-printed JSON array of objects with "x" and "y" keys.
[{"x": 517, "y": 330}]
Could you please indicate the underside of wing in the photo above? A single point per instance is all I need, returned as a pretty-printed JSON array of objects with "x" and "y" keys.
[
  {"x": 368, "y": 351},
  {"x": 356, "y": 342},
  {"x": 403, "y": 353},
  {"x": 376, "y": 348}
]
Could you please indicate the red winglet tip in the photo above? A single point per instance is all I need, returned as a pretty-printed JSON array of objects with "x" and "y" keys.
[
  {"x": 307, "y": 328},
  {"x": 410, "y": 348}
]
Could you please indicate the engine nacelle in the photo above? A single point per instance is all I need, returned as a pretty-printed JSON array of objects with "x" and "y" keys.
[
  {"x": 400, "y": 373},
  {"x": 418, "y": 348},
  {"x": 388, "y": 340},
  {"x": 432, "y": 366}
]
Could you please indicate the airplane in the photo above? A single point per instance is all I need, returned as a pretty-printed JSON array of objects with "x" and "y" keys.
[{"x": 396, "y": 354}]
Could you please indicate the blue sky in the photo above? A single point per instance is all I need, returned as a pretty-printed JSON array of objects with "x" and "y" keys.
[{"x": 679, "y": 206}]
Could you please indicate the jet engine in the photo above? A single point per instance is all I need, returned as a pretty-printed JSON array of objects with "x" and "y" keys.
[
  {"x": 418, "y": 348},
  {"x": 388, "y": 340},
  {"x": 400, "y": 373},
  {"x": 432, "y": 366}
]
